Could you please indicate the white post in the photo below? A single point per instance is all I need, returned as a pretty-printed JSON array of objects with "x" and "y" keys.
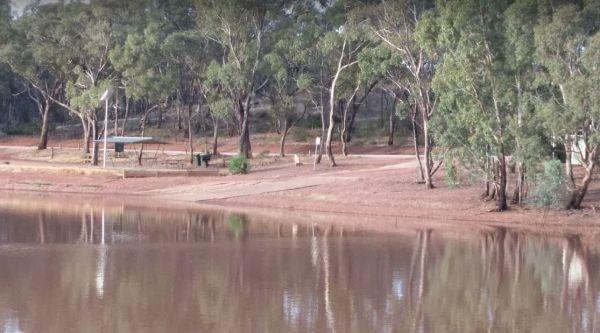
[
  {"x": 317, "y": 145},
  {"x": 105, "y": 130}
]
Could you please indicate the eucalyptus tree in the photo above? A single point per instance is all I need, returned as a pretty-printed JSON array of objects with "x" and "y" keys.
[
  {"x": 190, "y": 55},
  {"x": 341, "y": 44},
  {"x": 531, "y": 138},
  {"x": 476, "y": 85},
  {"x": 361, "y": 83},
  {"x": 241, "y": 29},
  {"x": 289, "y": 68},
  {"x": 398, "y": 24},
  {"x": 148, "y": 74},
  {"x": 567, "y": 40},
  {"x": 33, "y": 48}
]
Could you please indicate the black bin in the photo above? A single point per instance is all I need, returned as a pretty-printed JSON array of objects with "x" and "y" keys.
[{"x": 202, "y": 159}]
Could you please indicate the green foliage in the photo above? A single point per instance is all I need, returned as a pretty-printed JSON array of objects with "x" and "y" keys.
[
  {"x": 237, "y": 224},
  {"x": 239, "y": 165},
  {"x": 23, "y": 129},
  {"x": 300, "y": 134},
  {"x": 550, "y": 189},
  {"x": 451, "y": 174}
]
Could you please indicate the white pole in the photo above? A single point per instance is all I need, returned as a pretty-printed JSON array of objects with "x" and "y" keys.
[{"x": 105, "y": 130}]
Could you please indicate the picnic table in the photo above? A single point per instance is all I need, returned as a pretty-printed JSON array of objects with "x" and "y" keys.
[{"x": 119, "y": 143}]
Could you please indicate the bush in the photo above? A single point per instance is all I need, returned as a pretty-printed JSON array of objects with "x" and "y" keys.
[
  {"x": 300, "y": 134},
  {"x": 551, "y": 189},
  {"x": 239, "y": 165},
  {"x": 451, "y": 174}
]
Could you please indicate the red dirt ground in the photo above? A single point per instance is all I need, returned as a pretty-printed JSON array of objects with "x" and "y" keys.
[{"x": 377, "y": 190}]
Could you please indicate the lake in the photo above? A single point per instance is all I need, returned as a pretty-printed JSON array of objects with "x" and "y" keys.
[{"x": 82, "y": 266}]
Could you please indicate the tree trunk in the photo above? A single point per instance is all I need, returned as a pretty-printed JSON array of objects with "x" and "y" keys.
[
  {"x": 245, "y": 146},
  {"x": 94, "y": 130},
  {"x": 329, "y": 138},
  {"x": 344, "y": 126},
  {"x": 501, "y": 191},
  {"x": 568, "y": 157},
  {"x": 179, "y": 125},
  {"x": 519, "y": 192},
  {"x": 320, "y": 156},
  {"x": 215, "y": 135},
  {"x": 160, "y": 117},
  {"x": 284, "y": 133},
  {"x": 416, "y": 144},
  {"x": 86, "y": 135},
  {"x": 428, "y": 147},
  {"x": 43, "y": 144},
  {"x": 126, "y": 115},
  {"x": 142, "y": 131},
  {"x": 392, "y": 125},
  {"x": 116, "y": 107},
  {"x": 190, "y": 137},
  {"x": 579, "y": 192}
]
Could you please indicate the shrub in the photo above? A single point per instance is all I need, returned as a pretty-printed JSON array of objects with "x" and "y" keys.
[
  {"x": 451, "y": 174},
  {"x": 239, "y": 165},
  {"x": 300, "y": 134},
  {"x": 551, "y": 189}
]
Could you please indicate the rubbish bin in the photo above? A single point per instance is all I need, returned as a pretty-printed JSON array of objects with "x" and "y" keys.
[{"x": 202, "y": 159}]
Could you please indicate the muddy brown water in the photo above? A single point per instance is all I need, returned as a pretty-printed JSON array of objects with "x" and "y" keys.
[{"x": 84, "y": 267}]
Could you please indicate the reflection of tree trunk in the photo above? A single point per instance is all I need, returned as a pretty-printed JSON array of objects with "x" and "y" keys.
[
  {"x": 418, "y": 319},
  {"x": 188, "y": 228},
  {"x": 91, "y": 227},
  {"x": 327, "y": 292},
  {"x": 411, "y": 271},
  {"x": 42, "y": 227},
  {"x": 83, "y": 233}
]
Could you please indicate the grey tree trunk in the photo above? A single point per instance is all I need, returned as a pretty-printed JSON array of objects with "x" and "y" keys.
[
  {"x": 215, "y": 136},
  {"x": 43, "y": 143},
  {"x": 190, "y": 137},
  {"x": 501, "y": 190},
  {"x": 579, "y": 192},
  {"x": 392, "y": 124}
]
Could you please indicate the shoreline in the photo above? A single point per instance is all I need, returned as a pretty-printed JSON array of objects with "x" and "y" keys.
[{"x": 373, "y": 192}]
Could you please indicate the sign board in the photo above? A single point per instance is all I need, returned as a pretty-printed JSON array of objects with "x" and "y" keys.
[{"x": 318, "y": 141}]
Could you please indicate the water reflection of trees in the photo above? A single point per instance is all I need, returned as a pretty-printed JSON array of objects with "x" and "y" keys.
[
  {"x": 190, "y": 271},
  {"x": 515, "y": 284}
]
